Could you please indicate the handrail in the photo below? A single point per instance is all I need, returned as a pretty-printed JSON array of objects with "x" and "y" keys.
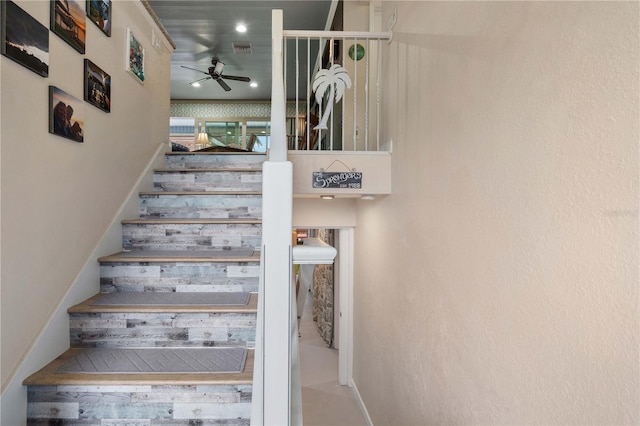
[{"x": 365, "y": 35}]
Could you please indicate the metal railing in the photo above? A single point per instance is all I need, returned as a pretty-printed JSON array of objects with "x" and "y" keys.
[{"x": 336, "y": 87}]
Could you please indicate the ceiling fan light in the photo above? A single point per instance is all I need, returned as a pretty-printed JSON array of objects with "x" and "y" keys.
[{"x": 218, "y": 68}]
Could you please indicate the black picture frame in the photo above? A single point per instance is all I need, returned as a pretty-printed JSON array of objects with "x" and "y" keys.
[
  {"x": 97, "y": 86},
  {"x": 69, "y": 22},
  {"x": 99, "y": 12},
  {"x": 24, "y": 39},
  {"x": 66, "y": 115}
]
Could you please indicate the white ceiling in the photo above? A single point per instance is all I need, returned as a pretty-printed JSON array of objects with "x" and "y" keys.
[{"x": 205, "y": 29}]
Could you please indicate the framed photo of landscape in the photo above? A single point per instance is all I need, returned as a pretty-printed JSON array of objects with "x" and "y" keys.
[
  {"x": 135, "y": 57},
  {"x": 99, "y": 12},
  {"x": 97, "y": 86},
  {"x": 24, "y": 39},
  {"x": 69, "y": 22},
  {"x": 66, "y": 115}
]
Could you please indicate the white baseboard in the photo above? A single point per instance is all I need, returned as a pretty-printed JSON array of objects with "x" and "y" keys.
[{"x": 363, "y": 408}]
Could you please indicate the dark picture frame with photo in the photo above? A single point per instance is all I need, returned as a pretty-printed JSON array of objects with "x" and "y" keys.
[
  {"x": 99, "y": 12},
  {"x": 66, "y": 115},
  {"x": 68, "y": 21},
  {"x": 97, "y": 86},
  {"x": 24, "y": 39}
]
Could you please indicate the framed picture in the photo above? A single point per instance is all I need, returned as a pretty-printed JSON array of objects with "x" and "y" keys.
[
  {"x": 24, "y": 39},
  {"x": 69, "y": 22},
  {"x": 66, "y": 115},
  {"x": 99, "y": 12},
  {"x": 135, "y": 56},
  {"x": 97, "y": 86}
]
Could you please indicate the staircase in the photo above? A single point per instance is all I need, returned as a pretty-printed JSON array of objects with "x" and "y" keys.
[{"x": 169, "y": 339}]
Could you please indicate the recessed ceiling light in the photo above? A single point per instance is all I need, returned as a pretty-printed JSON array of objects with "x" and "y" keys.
[
  {"x": 241, "y": 28},
  {"x": 327, "y": 197},
  {"x": 195, "y": 84},
  {"x": 253, "y": 84}
]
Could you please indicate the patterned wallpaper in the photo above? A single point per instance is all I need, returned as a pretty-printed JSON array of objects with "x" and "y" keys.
[{"x": 232, "y": 109}]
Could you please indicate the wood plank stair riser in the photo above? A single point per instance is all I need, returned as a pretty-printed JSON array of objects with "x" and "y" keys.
[
  {"x": 186, "y": 205},
  {"x": 176, "y": 276},
  {"x": 162, "y": 329},
  {"x": 198, "y": 180},
  {"x": 191, "y": 161},
  {"x": 91, "y": 405},
  {"x": 191, "y": 236}
]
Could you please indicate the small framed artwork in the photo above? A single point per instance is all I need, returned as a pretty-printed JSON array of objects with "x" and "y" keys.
[
  {"x": 69, "y": 22},
  {"x": 99, "y": 12},
  {"x": 135, "y": 57},
  {"x": 66, "y": 115},
  {"x": 97, "y": 86},
  {"x": 24, "y": 40}
]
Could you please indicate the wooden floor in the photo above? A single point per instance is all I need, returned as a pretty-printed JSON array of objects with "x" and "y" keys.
[{"x": 49, "y": 377}]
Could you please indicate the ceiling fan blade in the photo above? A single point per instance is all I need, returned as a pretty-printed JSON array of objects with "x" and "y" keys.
[
  {"x": 189, "y": 68},
  {"x": 236, "y": 78},
  {"x": 224, "y": 85},
  {"x": 201, "y": 79}
]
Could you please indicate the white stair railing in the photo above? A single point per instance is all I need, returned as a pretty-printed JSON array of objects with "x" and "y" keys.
[
  {"x": 353, "y": 123},
  {"x": 277, "y": 398}
]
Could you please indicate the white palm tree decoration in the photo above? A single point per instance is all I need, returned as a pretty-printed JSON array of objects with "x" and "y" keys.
[{"x": 336, "y": 79}]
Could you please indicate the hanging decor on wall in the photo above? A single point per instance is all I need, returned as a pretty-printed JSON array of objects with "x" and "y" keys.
[
  {"x": 135, "y": 57},
  {"x": 24, "y": 39},
  {"x": 69, "y": 22},
  {"x": 99, "y": 12},
  {"x": 356, "y": 52},
  {"x": 335, "y": 80},
  {"x": 66, "y": 115},
  {"x": 97, "y": 86},
  {"x": 349, "y": 179}
]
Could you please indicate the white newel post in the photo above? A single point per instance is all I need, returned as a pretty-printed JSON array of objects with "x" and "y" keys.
[{"x": 272, "y": 391}]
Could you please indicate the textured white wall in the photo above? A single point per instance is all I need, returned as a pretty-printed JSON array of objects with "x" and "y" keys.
[
  {"x": 58, "y": 196},
  {"x": 498, "y": 284}
]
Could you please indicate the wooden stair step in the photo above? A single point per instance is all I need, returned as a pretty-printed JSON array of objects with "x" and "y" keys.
[
  {"x": 49, "y": 376},
  {"x": 86, "y": 307},
  {"x": 162, "y": 326}
]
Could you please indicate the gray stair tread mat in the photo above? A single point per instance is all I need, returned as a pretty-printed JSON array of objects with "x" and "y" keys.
[
  {"x": 156, "y": 360},
  {"x": 154, "y": 298},
  {"x": 188, "y": 253}
]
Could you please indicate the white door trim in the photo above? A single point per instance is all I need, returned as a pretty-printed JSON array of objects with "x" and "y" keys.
[{"x": 345, "y": 278}]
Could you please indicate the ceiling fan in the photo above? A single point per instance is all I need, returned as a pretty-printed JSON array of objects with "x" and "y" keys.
[{"x": 215, "y": 73}]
